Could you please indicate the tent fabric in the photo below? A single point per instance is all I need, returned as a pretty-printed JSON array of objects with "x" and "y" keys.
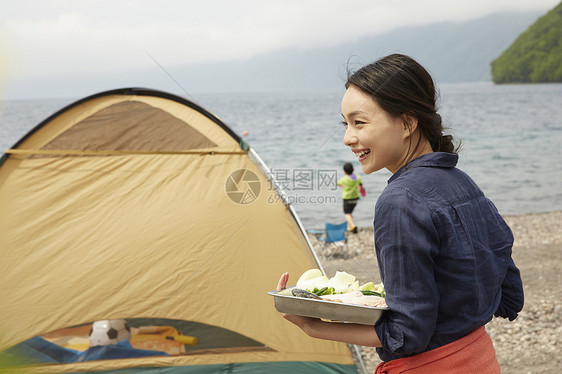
[
  {"x": 293, "y": 367},
  {"x": 147, "y": 230}
]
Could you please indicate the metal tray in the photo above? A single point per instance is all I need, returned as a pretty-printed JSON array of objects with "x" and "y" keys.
[{"x": 330, "y": 310}]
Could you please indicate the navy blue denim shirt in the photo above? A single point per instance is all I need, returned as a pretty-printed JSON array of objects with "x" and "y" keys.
[{"x": 444, "y": 255}]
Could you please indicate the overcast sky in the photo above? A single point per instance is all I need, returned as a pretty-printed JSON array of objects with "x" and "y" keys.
[{"x": 40, "y": 38}]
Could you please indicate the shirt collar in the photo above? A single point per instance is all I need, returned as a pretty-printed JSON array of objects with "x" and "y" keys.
[{"x": 434, "y": 159}]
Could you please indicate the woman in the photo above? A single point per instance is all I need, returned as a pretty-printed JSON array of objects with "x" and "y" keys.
[{"x": 444, "y": 252}]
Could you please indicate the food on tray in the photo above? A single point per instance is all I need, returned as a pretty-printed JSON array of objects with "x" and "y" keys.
[
  {"x": 357, "y": 297},
  {"x": 342, "y": 287},
  {"x": 304, "y": 293}
]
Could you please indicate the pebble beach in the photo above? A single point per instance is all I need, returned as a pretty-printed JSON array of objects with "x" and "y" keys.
[{"x": 529, "y": 345}]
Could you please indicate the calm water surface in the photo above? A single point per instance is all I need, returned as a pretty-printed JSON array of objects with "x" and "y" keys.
[{"x": 511, "y": 142}]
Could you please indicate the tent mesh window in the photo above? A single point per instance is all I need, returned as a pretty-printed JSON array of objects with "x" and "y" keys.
[
  {"x": 148, "y": 336},
  {"x": 130, "y": 125}
]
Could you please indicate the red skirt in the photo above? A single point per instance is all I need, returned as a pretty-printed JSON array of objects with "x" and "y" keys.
[{"x": 473, "y": 353}]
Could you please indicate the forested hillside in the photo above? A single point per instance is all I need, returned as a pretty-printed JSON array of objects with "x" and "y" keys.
[{"x": 536, "y": 55}]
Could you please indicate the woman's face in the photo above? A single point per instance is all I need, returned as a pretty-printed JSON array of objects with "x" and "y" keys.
[{"x": 377, "y": 139}]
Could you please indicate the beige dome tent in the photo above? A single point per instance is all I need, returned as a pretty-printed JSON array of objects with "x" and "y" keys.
[{"x": 141, "y": 205}]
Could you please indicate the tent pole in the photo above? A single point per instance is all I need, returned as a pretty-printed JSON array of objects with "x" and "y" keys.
[{"x": 358, "y": 357}]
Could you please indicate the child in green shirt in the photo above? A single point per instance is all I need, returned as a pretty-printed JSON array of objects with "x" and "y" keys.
[{"x": 350, "y": 194}]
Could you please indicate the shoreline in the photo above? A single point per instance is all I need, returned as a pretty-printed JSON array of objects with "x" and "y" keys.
[
  {"x": 531, "y": 342},
  {"x": 551, "y": 229}
]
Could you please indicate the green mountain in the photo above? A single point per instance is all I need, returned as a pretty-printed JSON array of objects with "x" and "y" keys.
[{"x": 536, "y": 55}]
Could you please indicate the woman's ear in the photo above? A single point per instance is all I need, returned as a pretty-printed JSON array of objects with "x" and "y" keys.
[{"x": 410, "y": 124}]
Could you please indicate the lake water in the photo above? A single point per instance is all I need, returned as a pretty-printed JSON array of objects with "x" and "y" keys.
[{"x": 511, "y": 142}]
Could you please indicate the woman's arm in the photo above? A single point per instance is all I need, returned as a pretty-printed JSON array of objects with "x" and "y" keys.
[
  {"x": 406, "y": 242},
  {"x": 350, "y": 333}
]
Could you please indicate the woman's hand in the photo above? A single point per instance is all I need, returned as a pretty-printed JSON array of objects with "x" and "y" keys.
[
  {"x": 300, "y": 321},
  {"x": 282, "y": 284}
]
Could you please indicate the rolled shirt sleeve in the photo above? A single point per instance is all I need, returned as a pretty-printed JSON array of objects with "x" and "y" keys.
[{"x": 511, "y": 302}]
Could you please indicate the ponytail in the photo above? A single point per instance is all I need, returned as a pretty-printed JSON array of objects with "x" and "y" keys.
[
  {"x": 444, "y": 144},
  {"x": 433, "y": 132}
]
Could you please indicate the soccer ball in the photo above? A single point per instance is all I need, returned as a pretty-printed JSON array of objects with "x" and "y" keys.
[{"x": 109, "y": 331}]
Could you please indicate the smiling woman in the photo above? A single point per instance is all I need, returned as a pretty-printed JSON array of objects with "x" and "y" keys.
[
  {"x": 377, "y": 139},
  {"x": 444, "y": 251},
  {"x": 403, "y": 105}
]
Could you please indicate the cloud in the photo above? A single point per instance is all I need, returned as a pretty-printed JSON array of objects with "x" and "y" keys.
[{"x": 62, "y": 37}]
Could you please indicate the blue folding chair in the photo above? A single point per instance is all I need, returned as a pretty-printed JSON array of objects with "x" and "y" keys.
[{"x": 332, "y": 234}]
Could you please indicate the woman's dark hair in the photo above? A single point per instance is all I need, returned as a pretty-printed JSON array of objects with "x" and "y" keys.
[
  {"x": 348, "y": 168},
  {"x": 401, "y": 86}
]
